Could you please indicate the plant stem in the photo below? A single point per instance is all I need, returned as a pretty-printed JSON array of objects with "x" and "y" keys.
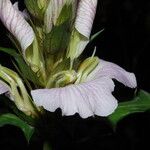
[{"x": 47, "y": 146}]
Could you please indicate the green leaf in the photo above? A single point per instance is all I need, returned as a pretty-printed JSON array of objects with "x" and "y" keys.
[
  {"x": 140, "y": 103},
  {"x": 9, "y": 51},
  {"x": 66, "y": 14},
  {"x": 10, "y": 119},
  {"x": 24, "y": 68},
  {"x": 96, "y": 35},
  {"x": 57, "y": 39},
  {"x": 9, "y": 105}
]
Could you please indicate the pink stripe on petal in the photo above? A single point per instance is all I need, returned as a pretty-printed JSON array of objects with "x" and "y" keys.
[
  {"x": 24, "y": 13},
  {"x": 85, "y": 16},
  {"x": 16, "y": 24}
]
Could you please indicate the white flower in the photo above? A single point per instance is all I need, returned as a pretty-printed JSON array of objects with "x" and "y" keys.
[
  {"x": 85, "y": 16},
  {"x": 93, "y": 97},
  {"x": 15, "y": 22},
  {"x": 83, "y": 24}
]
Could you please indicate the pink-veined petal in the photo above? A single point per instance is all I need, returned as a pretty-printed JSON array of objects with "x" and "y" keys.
[
  {"x": 15, "y": 5},
  {"x": 16, "y": 24},
  {"x": 24, "y": 13},
  {"x": 85, "y": 16},
  {"x": 86, "y": 99},
  {"x": 113, "y": 71}
]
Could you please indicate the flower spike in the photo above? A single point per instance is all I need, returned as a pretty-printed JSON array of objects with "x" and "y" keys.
[{"x": 62, "y": 32}]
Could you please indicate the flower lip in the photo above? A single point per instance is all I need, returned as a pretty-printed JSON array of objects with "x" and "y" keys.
[
  {"x": 86, "y": 99},
  {"x": 93, "y": 97},
  {"x": 113, "y": 71}
]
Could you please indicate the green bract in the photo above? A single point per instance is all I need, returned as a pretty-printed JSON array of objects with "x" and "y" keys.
[
  {"x": 56, "y": 39},
  {"x": 37, "y": 8}
]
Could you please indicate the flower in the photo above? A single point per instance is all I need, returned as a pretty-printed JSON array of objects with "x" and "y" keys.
[
  {"x": 51, "y": 47},
  {"x": 14, "y": 20},
  {"x": 83, "y": 25},
  {"x": 94, "y": 96}
]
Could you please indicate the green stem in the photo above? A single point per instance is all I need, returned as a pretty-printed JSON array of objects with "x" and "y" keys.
[{"x": 47, "y": 146}]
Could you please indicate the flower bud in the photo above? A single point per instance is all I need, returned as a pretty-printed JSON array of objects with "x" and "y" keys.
[
  {"x": 62, "y": 79},
  {"x": 86, "y": 67}
]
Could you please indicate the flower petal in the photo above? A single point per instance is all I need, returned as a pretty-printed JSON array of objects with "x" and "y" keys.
[
  {"x": 3, "y": 88},
  {"x": 113, "y": 71},
  {"x": 24, "y": 13},
  {"x": 87, "y": 99},
  {"x": 15, "y": 5},
  {"x": 16, "y": 24},
  {"x": 85, "y": 16}
]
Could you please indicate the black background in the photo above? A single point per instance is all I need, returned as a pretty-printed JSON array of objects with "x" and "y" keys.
[{"x": 125, "y": 41}]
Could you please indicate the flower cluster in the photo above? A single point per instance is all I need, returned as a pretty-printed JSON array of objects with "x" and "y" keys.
[{"x": 51, "y": 35}]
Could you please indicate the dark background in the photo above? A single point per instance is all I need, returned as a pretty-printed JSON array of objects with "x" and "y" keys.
[{"x": 125, "y": 41}]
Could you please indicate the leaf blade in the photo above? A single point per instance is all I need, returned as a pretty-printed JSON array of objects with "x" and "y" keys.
[
  {"x": 10, "y": 119},
  {"x": 22, "y": 65},
  {"x": 140, "y": 103},
  {"x": 93, "y": 37}
]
